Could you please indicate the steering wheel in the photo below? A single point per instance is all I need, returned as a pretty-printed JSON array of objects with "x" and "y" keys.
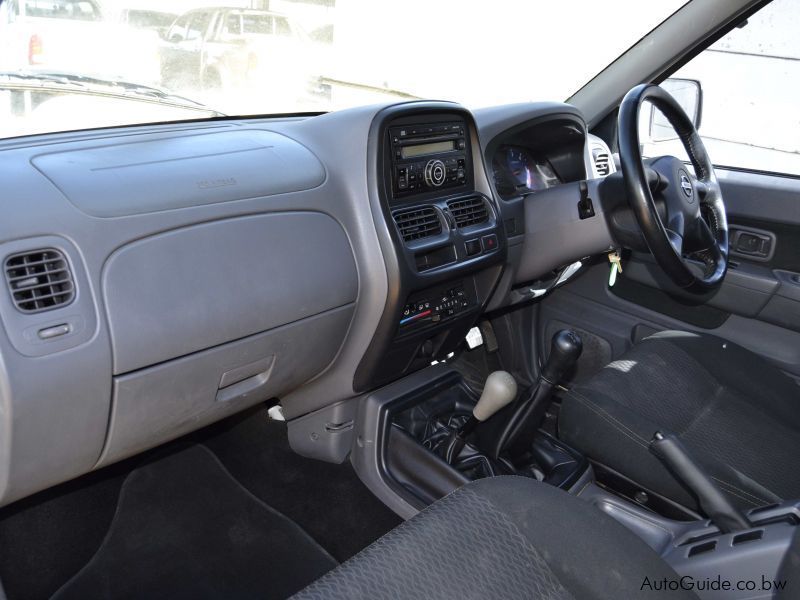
[{"x": 695, "y": 224}]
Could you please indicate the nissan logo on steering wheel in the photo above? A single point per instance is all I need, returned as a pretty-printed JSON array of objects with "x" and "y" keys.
[{"x": 686, "y": 186}]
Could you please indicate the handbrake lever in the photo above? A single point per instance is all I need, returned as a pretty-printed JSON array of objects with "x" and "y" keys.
[{"x": 669, "y": 450}]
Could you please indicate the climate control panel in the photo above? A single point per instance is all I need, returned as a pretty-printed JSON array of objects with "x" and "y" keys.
[{"x": 436, "y": 306}]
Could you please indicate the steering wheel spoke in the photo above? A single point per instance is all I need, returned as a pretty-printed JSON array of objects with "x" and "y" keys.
[
  {"x": 676, "y": 241},
  {"x": 703, "y": 188},
  {"x": 701, "y": 238}
]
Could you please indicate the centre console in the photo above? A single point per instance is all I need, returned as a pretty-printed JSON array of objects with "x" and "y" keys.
[
  {"x": 443, "y": 242},
  {"x": 404, "y": 429}
]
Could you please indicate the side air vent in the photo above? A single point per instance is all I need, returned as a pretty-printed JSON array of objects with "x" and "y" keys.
[
  {"x": 417, "y": 223},
  {"x": 468, "y": 211},
  {"x": 39, "y": 280},
  {"x": 601, "y": 162}
]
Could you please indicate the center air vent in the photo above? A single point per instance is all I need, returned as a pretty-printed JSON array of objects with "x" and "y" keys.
[
  {"x": 468, "y": 211},
  {"x": 601, "y": 162},
  {"x": 39, "y": 280},
  {"x": 417, "y": 223}
]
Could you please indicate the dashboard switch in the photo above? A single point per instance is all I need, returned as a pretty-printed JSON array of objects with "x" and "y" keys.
[
  {"x": 489, "y": 242},
  {"x": 473, "y": 247}
]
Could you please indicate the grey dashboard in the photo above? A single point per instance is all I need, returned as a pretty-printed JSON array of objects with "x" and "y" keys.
[{"x": 195, "y": 269}]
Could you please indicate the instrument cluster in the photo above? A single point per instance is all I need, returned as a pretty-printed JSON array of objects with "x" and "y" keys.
[{"x": 518, "y": 171}]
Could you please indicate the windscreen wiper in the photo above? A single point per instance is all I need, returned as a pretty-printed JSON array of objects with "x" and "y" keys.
[{"x": 118, "y": 88}]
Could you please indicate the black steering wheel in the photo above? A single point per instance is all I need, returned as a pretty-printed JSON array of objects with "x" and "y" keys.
[{"x": 695, "y": 225}]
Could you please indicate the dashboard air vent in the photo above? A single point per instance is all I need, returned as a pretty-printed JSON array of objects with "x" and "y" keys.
[
  {"x": 417, "y": 223},
  {"x": 468, "y": 211},
  {"x": 39, "y": 280},
  {"x": 601, "y": 162}
]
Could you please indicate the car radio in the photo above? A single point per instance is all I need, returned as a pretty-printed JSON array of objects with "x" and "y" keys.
[{"x": 429, "y": 156}]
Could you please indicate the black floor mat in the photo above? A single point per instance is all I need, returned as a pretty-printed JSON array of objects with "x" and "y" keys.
[
  {"x": 327, "y": 500},
  {"x": 184, "y": 528},
  {"x": 48, "y": 537}
]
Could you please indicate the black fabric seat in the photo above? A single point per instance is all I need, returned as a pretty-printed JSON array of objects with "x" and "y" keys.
[
  {"x": 502, "y": 538},
  {"x": 737, "y": 414}
]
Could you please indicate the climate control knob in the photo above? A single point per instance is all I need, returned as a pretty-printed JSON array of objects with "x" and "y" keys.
[{"x": 435, "y": 173}]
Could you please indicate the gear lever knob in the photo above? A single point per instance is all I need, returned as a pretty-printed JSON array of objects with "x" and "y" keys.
[
  {"x": 500, "y": 389},
  {"x": 565, "y": 350}
]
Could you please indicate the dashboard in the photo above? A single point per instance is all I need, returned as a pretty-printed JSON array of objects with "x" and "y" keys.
[{"x": 162, "y": 277}]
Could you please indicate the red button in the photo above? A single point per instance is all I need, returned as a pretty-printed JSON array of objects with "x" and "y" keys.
[{"x": 489, "y": 243}]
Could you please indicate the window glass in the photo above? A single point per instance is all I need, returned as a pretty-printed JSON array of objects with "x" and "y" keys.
[
  {"x": 282, "y": 26},
  {"x": 291, "y": 56},
  {"x": 198, "y": 26},
  {"x": 256, "y": 24},
  {"x": 233, "y": 24},
  {"x": 179, "y": 29},
  {"x": 62, "y": 9},
  {"x": 750, "y": 81}
]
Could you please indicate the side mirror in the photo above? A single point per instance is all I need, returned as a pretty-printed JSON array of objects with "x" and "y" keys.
[{"x": 689, "y": 94}]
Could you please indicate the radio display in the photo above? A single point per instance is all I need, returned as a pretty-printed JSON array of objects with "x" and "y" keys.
[{"x": 432, "y": 148}]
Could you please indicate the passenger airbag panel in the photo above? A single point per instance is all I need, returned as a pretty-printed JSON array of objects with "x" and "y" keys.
[{"x": 140, "y": 177}]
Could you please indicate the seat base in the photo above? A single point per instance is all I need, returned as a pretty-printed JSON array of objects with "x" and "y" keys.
[
  {"x": 737, "y": 414},
  {"x": 502, "y": 538}
]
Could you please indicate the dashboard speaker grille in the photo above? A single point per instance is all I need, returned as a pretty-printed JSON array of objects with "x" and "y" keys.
[
  {"x": 39, "y": 280},
  {"x": 468, "y": 211},
  {"x": 417, "y": 223},
  {"x": 601, "y": 163}
]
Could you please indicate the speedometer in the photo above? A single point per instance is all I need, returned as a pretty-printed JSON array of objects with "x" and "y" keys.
[{"x": 517, "y": 172}]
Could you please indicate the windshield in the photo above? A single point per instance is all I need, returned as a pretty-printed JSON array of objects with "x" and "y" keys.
[{"x": 72, "y": 64}]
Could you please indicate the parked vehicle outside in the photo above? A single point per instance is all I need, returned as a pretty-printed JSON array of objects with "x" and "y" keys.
[
  {"x": 55, "y": 35},
  {"x": 226, "y": 48},
  {"x": 154, "y": 20}
]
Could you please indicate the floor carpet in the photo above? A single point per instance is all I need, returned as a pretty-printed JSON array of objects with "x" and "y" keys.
[
  {"x": 230, "y": 511},
  {"x": 184, "y": 528}
]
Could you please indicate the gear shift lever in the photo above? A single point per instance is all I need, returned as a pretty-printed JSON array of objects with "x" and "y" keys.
[
  {"x": 565, "y": 349},
  {"x": 500, "y": 389}
]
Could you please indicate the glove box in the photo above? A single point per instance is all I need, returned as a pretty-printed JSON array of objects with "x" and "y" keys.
[{"x": 160, "y": 403}]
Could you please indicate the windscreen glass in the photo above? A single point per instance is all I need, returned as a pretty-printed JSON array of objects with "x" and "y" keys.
[{"x": 73, "y": 64}]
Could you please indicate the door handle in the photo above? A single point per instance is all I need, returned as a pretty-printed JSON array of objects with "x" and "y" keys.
[{"x": 754, "y": 244}]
